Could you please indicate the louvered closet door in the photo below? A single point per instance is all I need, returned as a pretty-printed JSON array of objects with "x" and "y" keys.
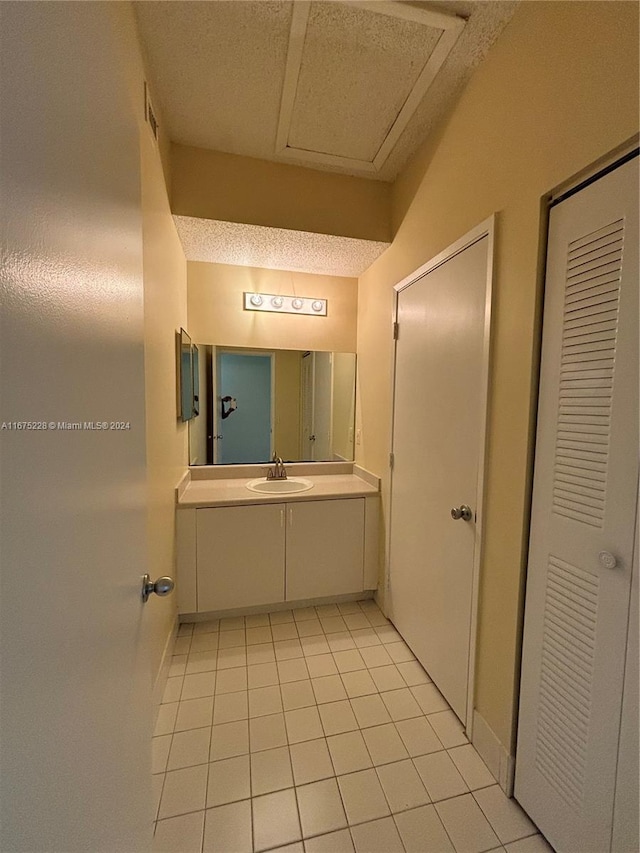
[{"x": 584, "y": 505}]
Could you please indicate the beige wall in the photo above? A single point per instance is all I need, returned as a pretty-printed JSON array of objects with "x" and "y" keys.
[
  {"x": 231, "y": 188},
  {"x": 558, "y": 90},
  {"x": 165, "y": 310},
  {"x": 286, "y": 426},
  {"x": 216, "y": 315},
  {"x": 343, "y": 405}
]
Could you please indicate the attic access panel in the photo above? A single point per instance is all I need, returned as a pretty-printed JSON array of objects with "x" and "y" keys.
[{"x": 356, "y": 72}]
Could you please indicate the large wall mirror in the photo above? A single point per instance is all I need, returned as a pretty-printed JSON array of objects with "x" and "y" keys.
[{"x": 257, "y": 402}]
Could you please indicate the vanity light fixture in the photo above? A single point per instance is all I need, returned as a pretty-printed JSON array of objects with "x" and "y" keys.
[{"x": 285, "y": 304}]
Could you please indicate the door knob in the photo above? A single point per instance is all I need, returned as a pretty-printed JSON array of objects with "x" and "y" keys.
[
  {"x": 607, "y": 559},
  {"x": 161, "y": 587},
  {"x": 463, "y": 511}
]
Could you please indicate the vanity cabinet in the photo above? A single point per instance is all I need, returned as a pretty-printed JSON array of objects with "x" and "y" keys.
[
  {"x": 240, "y": 552},
  {"x": 238, "y": 557}
]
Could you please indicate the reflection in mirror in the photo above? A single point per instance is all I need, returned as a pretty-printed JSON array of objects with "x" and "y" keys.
[
  {"x": 187, "y": 378},
  {"x": 255, "y": 402}
]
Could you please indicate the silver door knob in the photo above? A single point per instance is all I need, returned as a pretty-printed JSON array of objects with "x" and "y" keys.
[
  {"x": 463, "y": 511},
  {"x": 607, "y": 559},
  {"x": 161, "y": 587}
]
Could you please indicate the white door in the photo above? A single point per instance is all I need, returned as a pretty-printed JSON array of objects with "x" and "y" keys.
[
  {"x": 438, "y": 430},
  {"x": 307, "y": 391},
  {"x": 75, "y": 690},
  {"x": 322, "y": 406},
  {"x": 583, "y": 517}
]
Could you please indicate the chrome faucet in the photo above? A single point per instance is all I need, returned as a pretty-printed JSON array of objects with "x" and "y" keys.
[{"x": 278, "y": 472}]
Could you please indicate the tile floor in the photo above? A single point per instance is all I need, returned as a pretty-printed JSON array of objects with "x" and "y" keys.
[{"x": 316, "y": 731}]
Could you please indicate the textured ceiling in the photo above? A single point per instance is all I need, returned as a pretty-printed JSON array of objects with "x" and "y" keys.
[
  {"x": 275, "y": 248},
  {"x": 218, "y": 71}
]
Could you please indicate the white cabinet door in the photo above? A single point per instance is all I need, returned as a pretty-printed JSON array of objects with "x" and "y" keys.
[
  {"x": 240, "y": 556},
  {"x": 583, "y": 517},
  {"x": 325, "y": 548}
]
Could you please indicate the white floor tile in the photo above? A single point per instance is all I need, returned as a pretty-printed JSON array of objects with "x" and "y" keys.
[
  {"x": 337, "y": 717},
  {"x": 262, "y": 653},
  {"x": 172, "y": 690},
  {"x": 413, "y": 673},
  {"x": 265, "y": 700},
  {"x": 422, "y": 830},
  {"x": 348, "y": 753},
  {"x": 370, "y": 711},
  {"x": 204, "y": 643},
  {"x": 303, "y": 724},
  {"x": 262, "y": 675},
  {"x": 257, "y": 620},
  {"x": 418, "y": 736},
  {"x": 333, "y": 842},
  {"x": 506, "y": 817},
  {"x": 402, "y": 786},
  {"x": 185, "y": 629},
  {"x": 387, "y": 634},
  {"x": 194, "y": 714},
  {"x": 386, "y": 677},
  {"x": 182, "y": 646},
  {"x": 341, "y": 641},
  {"x": 384, "y": 744},
  {"x": 228, "y": 828},
  {"x": 259, "y": 635},
  {"x": 286, "y": 631},
  {"x": 232, "y": 639},
  {"x": 302, "y": 614},
  {"x": 292, "y": 670},
  {"x": 325, "y": 610},
  {"x": 230, "y": 707},
  {"x": 471, "y": 767},
  {"x": 181, "y": 834},
  {"x": 202, "y": 662},
  {"x": 448, "y": 728},
  {"x": 429, "y": 698},
  {"x": 321, "y": 665},
  {"x": 166, "y": 719},
  {"x": 297, "y": 694},
  {"x": 210, "y": 627},
  {"x": 229, "y": 739},
  {"x": 296, "y": 847},
  {"x": 310, "y": 628},
  {"x": 363, "y": 796},
  {"x": 228, "y": 658},
  {"x": 267, "y": 732},
  {"x": 177, "y": 666},
  {"x": 328, "y": 688},
  {"x": 184, "y": 791},
  {"x": 311, "y": 761},
  {"x": 231, "y": 680},
  {"x": 349, "y": 661},
  {"x": 378, "y": 836},
  {"x": 376, "y": 656},
  {"x": 275, "y": 820},
  {"x": 400, "y": 652},
  {"x": 533, "y": 844},
  {"x": 189, "y": 748},
  {"x": 440, "y": 776},
  {"x": 228, "y": 781},
  {"x": 160, "y": 747},
  {"x": 288, "y": 650},
  {"x": 354, "y": 621},
  {"x": 157, "y": 783},
  {"x": 358, "y": 683},
  {"x": 366, "y": 637},
  {"x": 346, "y": 607},
  {"x": 400, "y": 704},
  {"x": 197, "y": 686},
  {"x": 320, "y": 806},
  {"x": 280, "y": 617},
  {"x": 466, "y": 826},
  {"x": 312, "y": 646},
  {"x": 271, "y": 771}
]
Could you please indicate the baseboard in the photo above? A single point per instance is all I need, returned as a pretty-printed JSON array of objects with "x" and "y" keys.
[
  {"x": 272, "y": 608},
  {"x": 500, "y": 762},
  {"x": 160, "y": 681}
]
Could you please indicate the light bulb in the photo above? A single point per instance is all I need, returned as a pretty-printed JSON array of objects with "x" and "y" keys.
[
  {"x": 277, "y": 301},
  {"x": 256, "y": 299},
  {"x": 317, "y": 305},
  {"x": 297, "y": 304}
]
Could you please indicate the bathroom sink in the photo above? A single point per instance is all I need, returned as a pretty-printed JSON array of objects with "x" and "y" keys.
[{"x": 280, "y": 487}]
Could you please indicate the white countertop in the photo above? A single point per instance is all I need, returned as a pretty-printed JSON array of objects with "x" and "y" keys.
[{"x": 233, "y": 491}]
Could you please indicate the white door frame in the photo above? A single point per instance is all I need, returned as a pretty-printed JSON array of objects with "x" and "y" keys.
[{"x": 484, "y": 229}]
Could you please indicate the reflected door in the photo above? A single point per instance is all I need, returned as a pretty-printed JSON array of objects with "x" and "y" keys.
[{"x": 245, "y": 433}]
